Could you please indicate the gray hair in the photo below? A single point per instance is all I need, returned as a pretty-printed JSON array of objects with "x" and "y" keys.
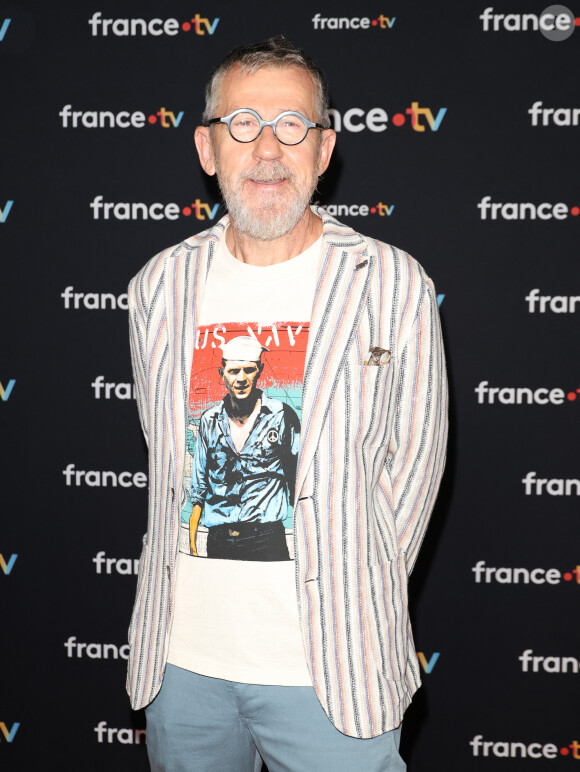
[{"x": 276, "y": 52}]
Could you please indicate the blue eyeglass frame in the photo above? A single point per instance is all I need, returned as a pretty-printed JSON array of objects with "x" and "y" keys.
[{"x": 228, "y": 119}]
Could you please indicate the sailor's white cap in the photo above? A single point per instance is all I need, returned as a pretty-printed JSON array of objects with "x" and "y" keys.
[{"x": 243, "y": 349}]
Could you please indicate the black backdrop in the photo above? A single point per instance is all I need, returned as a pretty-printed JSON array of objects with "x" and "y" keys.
[{"x": 500, "y": 646}]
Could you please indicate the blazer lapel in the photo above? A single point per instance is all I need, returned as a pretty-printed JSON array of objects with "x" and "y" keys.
[
  {"x": 184, "y": 295},
  {"x": 340, "y": 297}
]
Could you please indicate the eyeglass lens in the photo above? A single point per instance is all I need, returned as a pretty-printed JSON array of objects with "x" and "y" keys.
[{"x": 245, "y": 127}]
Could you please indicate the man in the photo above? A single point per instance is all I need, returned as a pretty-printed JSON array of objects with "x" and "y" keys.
[
  {"x": 310, "y": 662},
  {"x": 244, "y": 465}
]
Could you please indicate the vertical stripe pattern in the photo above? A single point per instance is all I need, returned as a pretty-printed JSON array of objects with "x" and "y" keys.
[{"x": 371, "y": 457}]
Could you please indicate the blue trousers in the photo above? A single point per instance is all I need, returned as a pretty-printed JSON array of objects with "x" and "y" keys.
[{"x": 202, "y": 724}]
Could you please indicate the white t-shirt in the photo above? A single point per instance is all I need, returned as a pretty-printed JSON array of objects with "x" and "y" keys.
[{"x": 237, "y": 618}]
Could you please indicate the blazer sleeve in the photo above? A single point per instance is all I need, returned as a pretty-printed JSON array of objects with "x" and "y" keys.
[
  {"x": 417, "y": 453},
  {"x": 136, "y": 301}
]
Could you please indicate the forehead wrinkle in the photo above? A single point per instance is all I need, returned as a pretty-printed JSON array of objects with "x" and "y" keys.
[{"x": 252, "y": 86}]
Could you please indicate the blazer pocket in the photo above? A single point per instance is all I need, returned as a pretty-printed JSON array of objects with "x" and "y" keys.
[
  {"x": 387, "y": 616},
  {"x": 373, "y": 373}
]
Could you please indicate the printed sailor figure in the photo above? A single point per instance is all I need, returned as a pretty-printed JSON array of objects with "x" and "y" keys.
[{"x": 244, "y": 465}]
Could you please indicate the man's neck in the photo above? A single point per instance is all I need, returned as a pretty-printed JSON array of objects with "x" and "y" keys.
[
  {"x": 240, "y": 411},
  {"x": 263, "y": 253}
]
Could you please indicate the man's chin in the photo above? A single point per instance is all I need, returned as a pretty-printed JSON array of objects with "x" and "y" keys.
[
  {"x": 263, "y": 225},
  {"x": 264, "y": 204},
  {"x": 266, "y": 216}
]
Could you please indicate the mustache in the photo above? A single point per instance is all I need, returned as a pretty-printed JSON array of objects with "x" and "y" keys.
[{"x": 268, "y": 171}]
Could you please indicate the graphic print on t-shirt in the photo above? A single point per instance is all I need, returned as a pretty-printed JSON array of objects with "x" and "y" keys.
[{"x": 243, "y": 434}]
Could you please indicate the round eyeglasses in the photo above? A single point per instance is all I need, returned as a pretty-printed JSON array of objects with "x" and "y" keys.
[{"x": 245, "y": 125}]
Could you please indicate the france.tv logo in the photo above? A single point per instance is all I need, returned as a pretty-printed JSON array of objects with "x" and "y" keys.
[
  {"x": 354, "y": 22},
  {"x": 4, "y": 28},
  {"x": 359, "y": 210},
  {"x": 6, "y": 391},
  {"x": 9, "y": 734},
  {"x": 5, "y": 211},
  {"x": 355, "y": 119},
  {"x": 556, "y": 22},
  {"x": 122, "y": 28},
  {"x": 139, "y": 210},
  {"x": 106, "y": 119},
  {"x": 7, "y": 565}
]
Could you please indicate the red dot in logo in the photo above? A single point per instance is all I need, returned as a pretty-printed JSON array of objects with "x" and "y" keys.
[
  {"x": 398, "y": 119},
  {"x": 571, "y": 395},
  {"x": 374, "y": 22},
  {"x": 564, "y": 751},
  {"x": 575, "y": 210},
  {"x": 577, "y": 21},
  {"x": 186, "y": 211},
  {"x": 373, "y": 210},
  {"x": 567, "y": 576},
  {"x": 152, "y": 119},
  {"x": 186, "y": 26}
]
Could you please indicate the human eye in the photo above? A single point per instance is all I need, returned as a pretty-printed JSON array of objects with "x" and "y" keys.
[
  {"x": 291, "y": 122},
  {"x": 245, "y": 121}
]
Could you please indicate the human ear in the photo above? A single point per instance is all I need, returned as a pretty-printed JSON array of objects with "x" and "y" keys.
[
  {"x": 326, "y": 148},
  {"x": 204, "y": 148}
]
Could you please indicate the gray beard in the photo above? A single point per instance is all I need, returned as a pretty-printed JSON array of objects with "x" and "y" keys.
[{"x": 268, "y": 223}]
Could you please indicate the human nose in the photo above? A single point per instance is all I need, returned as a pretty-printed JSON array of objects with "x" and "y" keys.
[{"x": 266, "y": 146}]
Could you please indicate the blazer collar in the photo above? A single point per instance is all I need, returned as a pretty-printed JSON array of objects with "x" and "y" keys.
[{"x": 334, "y": 233}]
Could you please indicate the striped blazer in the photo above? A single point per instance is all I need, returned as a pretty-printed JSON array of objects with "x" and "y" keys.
[{"x": 371, "y": 457}]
